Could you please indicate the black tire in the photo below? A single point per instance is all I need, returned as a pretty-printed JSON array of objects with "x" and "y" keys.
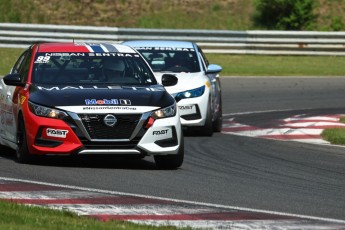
[
  {"x": 207, "y": 129},
  {"x": 22, "y": 151},
  {"x": 172, "y": 161},
  {"x": 218, "y": 123}
]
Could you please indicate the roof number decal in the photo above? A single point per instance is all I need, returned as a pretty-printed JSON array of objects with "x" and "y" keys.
[{"x": 42, "y": 59}]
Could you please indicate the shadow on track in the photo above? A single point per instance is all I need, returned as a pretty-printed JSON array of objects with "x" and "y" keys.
[{"x": 90, "y": 161}]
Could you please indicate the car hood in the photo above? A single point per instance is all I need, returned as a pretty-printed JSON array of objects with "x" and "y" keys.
[
  {"x": 186, "y": 81},
  {"x": 67, "y": 97}
]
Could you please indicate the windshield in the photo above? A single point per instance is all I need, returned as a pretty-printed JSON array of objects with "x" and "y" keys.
[
  {"x": 174, "y": 60},
  {"x": 91, "y": 68}
]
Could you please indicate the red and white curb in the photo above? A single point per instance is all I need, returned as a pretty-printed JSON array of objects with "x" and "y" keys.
[
  {"x": 108, "y": 205},
  {"x": 300, "y": 128}
]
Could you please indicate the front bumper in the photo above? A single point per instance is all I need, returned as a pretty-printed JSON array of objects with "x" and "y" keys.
[
  {"x": 193, "y": 111},
  {"x": 47, "y": 136}
]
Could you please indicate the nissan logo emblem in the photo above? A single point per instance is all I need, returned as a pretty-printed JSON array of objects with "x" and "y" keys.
[{"x": 110, "y": 120}]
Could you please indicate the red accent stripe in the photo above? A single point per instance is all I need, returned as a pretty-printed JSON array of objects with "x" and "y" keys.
[
  {"x": 63, "y": 47},
  {"x": 220, "y": 216}
]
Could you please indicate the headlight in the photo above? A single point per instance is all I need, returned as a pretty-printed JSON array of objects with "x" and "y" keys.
[
  {"x": 43, "y": 111},
  {"x": 169, "y": 111},
  {"x": 190, "y": 93}
]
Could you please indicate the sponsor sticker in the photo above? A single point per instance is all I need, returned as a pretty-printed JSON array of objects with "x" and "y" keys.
[
  {"x": 109, "y": 108},
  {"x": 187, "y": 109},
  {"x": 22, "y": 99},
  {"x": 108, "y": 102},
  {"x": 166, "y": 48},
  {"x": 153, "y": 89},
  {"x": 208, "y": 84},
  {"x": 56, "y": 133},
  {"x": 164, "y": 133}
]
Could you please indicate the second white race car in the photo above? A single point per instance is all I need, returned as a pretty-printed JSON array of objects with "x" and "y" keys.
[{"x": 198, "y": 91}]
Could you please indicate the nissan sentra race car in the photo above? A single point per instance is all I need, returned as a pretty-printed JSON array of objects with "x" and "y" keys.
[
  {"x": 81, "y": 98},
  {"x": 198, "y": 91}
]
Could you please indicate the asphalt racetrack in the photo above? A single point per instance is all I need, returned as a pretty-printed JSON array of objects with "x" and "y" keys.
[{"x": 281, "y": 176}]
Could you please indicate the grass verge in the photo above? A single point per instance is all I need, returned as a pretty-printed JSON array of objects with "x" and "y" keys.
[
  {"x": 8, "y": 57},
  {"x": 335, "y": 136},
  {"x": 243, "y": 65},
  {"x": 261, "y": 65},
  {"x": 17, "y": 216}
]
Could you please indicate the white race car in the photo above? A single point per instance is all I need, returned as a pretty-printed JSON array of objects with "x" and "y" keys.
[{"x": 198, "y": 91}]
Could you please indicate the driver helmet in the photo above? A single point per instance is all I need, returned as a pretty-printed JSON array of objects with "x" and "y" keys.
[{"x": 113, "y": 67}]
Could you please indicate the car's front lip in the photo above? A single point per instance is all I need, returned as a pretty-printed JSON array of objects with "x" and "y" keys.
[
  {"x": 200, "y": 104},
  {"x": 39, "y": 141}
]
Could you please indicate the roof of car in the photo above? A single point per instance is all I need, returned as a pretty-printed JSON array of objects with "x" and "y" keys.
[
  {"x": 159, "y": 43},
  {"x": 84, "y": 47}
]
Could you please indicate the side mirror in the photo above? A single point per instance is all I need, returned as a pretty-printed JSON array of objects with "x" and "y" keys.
[
  {"x": 169, "y": 80},
  {"x": 13, "y": 79},
  {"x": 212, "y": 68}
]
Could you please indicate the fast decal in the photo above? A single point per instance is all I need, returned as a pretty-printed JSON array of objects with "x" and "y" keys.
[
  {"x": 108, "y": 102},
  {"x": 160, "y": 132},
  {"x": 56, "y": 133},
  {"x": 187, "y": 109},
  {"x": 166, "y": 49}
]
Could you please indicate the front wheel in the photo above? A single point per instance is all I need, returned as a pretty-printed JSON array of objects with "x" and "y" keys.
[
  {"x": 217, "y": 124},
  {"x": 171, "y": 161},
  {"x": 22, "y": 151},
  {"x": 207, "y": 129}
]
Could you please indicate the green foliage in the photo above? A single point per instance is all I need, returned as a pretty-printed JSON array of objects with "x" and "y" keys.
[
  {"x": 284, "y": 14},
  {"x": 336, "y": 24}
]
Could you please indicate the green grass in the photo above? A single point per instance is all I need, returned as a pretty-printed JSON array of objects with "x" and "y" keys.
[
  {"x": 335, "y": 136},
  {"x": 15, "y": 216},
  {"x": 243, "y": 65},
  {"x": 260, "y": 65},
  {"x": 8, "y": 57}
]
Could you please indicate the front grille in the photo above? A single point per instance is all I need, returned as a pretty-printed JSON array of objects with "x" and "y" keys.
[{"x": 123, "y": 128}]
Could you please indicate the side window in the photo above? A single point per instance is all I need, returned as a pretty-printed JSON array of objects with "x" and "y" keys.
[
  {"x": 25, "y": 67},
  {"x": 19, "y": 64},
  {"x": 203, "y": 58}
]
